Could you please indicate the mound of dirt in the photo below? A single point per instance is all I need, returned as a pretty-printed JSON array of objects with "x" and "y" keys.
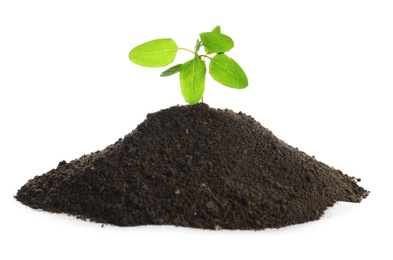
[{"x": 194, "y": 166}]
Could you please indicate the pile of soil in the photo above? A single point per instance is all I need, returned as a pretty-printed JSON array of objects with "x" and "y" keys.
[{"x": 194, "y": 166}]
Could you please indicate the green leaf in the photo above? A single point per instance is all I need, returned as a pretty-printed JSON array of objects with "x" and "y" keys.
[
  {"x": 227, "y": 72},
  {"x": 155, "y": 53},
  {"x": 192, "y": 80},
  {"x": 216, "y": 42},
  {"x": 172, "y": 70},
  {"x": 217, "y": 29}
]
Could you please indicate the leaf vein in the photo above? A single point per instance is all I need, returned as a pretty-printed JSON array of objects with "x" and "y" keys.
[{"x": 230, "y": 72}]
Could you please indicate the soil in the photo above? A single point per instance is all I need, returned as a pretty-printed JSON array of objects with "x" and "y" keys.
[{"x": 194, "y": 166}]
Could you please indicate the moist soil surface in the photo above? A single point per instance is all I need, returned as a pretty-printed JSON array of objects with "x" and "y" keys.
[{"x": 194, "y": 166}]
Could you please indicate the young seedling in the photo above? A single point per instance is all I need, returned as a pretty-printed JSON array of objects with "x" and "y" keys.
[{"x": 162, "y": 52}]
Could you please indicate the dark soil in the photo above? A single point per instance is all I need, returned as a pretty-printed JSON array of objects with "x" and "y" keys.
[{"x": 194, "y": 166}]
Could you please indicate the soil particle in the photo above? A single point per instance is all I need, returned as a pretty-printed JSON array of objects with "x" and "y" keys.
[{"x": 194, "y": 166}]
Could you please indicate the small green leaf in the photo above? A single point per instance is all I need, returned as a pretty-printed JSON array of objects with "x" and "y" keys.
[
  {"x": 192, "y": 80},
  {"x": 172, "y": 70},
  {"x": 155, "y": 53},
  {"x": 216, "y": 42},
  {"x": 227, "y": 72},
  {"x": 216, "y": 29}
]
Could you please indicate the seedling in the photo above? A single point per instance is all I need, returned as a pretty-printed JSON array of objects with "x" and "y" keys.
[{"x": 223, "y": 69}]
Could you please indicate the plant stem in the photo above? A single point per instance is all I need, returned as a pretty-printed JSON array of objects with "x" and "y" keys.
[
  {"x": 198, "y": 46},
  {"x": 202, "y": 55},
  {"x": 185, "y": 49}
]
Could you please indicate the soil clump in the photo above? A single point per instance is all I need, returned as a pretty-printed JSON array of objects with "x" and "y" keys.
[{"x": 194, "y": 166}]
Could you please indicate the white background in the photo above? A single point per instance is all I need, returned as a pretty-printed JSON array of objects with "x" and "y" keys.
[{"x": 320, "y": 74}]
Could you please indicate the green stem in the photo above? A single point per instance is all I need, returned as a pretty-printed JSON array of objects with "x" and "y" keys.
[
  {"x": 205, "y": 56},
  {"x": 198, "y": 46},
  {"x": 184, "y": 49}
]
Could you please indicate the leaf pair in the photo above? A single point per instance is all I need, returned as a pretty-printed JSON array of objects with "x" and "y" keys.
[{"x": 162, "y": 52}]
